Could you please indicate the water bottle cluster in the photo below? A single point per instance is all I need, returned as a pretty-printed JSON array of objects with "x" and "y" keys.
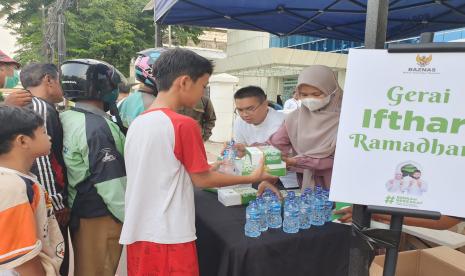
[{"x": 311, "y": 208}]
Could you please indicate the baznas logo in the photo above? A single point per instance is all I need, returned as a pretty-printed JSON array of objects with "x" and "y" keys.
[
  {"x": 423, "y": 68},
  {"x": 424, "y": 60}
]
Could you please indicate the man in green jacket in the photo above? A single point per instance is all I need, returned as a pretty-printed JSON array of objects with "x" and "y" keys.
[{"x": 93, "y": 148}]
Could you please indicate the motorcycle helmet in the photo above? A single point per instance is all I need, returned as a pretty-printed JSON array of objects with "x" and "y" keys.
[
  {"x": 143, "y": 66},
  {"x": 89, "y": 79}
]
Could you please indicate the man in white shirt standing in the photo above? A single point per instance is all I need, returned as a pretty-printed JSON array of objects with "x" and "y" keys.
[
  {"x": 293, "y": 103},
  {"x": 256, "y": 122}
]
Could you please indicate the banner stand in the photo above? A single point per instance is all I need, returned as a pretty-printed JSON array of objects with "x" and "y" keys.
[
  {"x": 397, "y": 218},
  {"x": 398, "y": 214}
]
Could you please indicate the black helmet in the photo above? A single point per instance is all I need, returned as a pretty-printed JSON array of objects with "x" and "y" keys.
[
  {"x": 89, "y": 79},
  {"x": 143, "y": 66}
]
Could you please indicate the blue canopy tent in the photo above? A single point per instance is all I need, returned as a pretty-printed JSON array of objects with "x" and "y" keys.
[{"x": 338, "y": 19}]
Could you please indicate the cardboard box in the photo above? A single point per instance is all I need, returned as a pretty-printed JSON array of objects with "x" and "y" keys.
[
  {"x": 254, "y": 154},
  {"x": 276, "y": 169},
  {"x": 215, "y": 190},
  {"x": 271, "y": 154},
  {"x": 438, "y": 261},
  {"x": 246, "y": 167},
  {"x": 236, "y": 196}
]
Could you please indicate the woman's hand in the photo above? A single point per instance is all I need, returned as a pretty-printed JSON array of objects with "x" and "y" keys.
[{"x": 290, "y": 161}]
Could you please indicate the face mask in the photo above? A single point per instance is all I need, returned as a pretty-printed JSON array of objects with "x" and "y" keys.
[
  {"x": 11, "y": 81},
  {"x": 316, "y": 104},
  {"x": 111, "y": 97}
]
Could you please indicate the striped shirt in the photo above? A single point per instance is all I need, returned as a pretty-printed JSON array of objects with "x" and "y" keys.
[{"x": 50, "y": 169}]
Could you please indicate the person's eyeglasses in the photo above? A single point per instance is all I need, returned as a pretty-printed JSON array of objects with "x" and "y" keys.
[{"x": 248, "y": 110}]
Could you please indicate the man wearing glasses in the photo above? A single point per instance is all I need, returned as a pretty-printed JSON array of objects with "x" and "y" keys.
[{"x": 256, "y": 121}]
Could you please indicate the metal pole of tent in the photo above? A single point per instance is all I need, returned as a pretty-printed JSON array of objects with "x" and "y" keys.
[
  {"x": 376, "y": 24},
  {"x": 427, "y": 37},
  {"x": 157, "y": 35},
  {"x": 375, "y": 37}
]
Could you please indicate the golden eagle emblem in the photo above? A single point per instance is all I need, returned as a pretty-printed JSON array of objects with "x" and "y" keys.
[{"x": 424, "y": 60}]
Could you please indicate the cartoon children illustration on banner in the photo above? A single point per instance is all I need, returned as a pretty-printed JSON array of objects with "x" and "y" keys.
[{"x": 407, "y": 180}]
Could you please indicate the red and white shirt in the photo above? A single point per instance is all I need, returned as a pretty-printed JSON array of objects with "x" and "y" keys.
[{"x": 162, "y": 148}]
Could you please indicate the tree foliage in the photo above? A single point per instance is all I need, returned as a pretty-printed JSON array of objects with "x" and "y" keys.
[{"x": 109, "y": 30}]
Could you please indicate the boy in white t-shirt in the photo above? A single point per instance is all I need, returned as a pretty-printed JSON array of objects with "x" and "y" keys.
[{"x": 165, "y": 157}]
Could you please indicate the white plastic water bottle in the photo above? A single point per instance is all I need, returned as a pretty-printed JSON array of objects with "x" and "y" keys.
[
  {"x": 267, "y": 195},
  {"x": 305, "y": 211},
  {"x": 274, "y": 214},
  {"x": 229, "y": 157},
  {"x": 318, "y": 207},
  {"x": 291, "y": 223},
  {"x": 252, "y": 223},
  {"x": 328, "y": 206},
  {"x": 290, "y": 196},
  {"x": 263, "y": 214}
]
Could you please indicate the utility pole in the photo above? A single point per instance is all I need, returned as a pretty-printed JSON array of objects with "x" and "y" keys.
[
  {"x": 44, "y": 30},
  {"x": 55, "y": 31},
  {"x": 61, "y": 40}
]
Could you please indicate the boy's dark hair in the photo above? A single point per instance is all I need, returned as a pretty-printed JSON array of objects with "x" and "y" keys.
[
  {"x": 15, "y": 121},
  {"x": 178, "y": 62},
  {"x": 250, "y": 91},
  {"x": 416, "y": 171},
  {"x": 33, "y": 73}
]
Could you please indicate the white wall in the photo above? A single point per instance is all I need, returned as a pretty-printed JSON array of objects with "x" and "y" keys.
[
  {"x": 222, "y": 88},
  {"x": 246, "y": 41},
  {"x": 240, "y": 42}
]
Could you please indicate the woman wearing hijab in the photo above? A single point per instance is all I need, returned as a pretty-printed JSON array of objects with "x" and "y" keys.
[{"x": 309, "y": 133}]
